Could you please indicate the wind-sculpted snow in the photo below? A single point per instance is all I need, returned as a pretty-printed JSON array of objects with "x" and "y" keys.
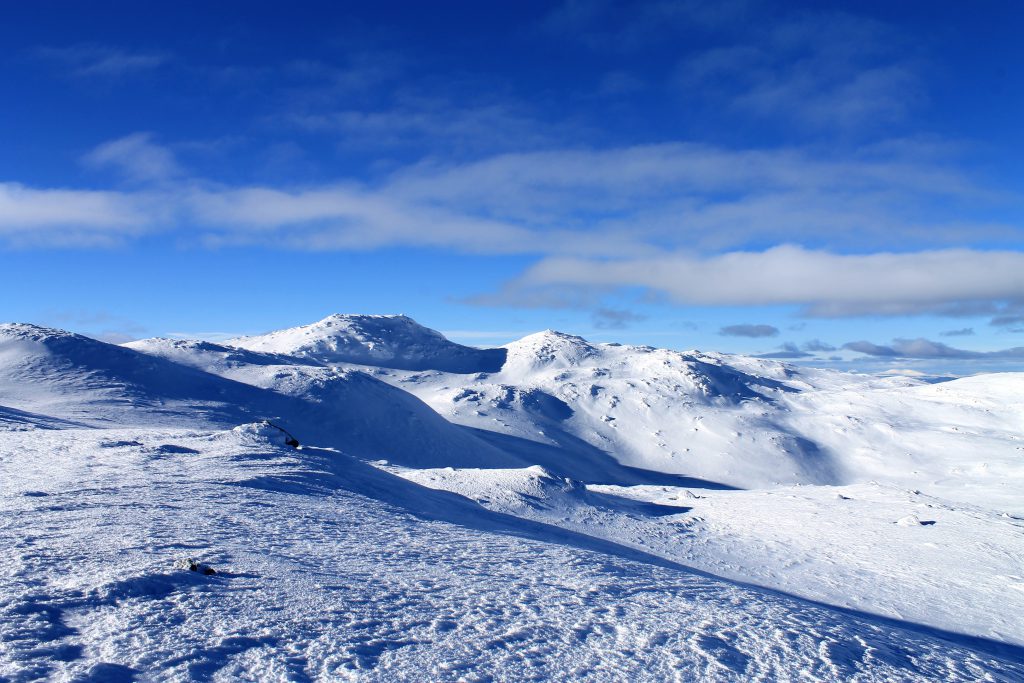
[
  {"x": 392, "y": 341},
  {"x": 11, "y": 419},
  {"x": 330, "y": 570}
]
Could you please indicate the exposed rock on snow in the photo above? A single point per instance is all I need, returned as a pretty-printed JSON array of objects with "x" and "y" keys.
[
  {"x": 267, "y": 431},
  {"x": 913, "y": 520},
  {"x": 193, "y": 565}
]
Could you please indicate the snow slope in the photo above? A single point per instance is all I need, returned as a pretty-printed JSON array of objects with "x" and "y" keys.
[
  {"x": 962, "y": 440},
  {"x": 68, "y": 376},
  {"x": 959, "y": 569}
]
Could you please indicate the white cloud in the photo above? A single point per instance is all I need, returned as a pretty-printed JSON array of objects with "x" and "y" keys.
[
  {"x": 625, "y": 202},
  {"x": 748, "y": 330},
  {"x": 926, "y": 349},
  {"x": 137, "y": 157},
  {"x": 827, "y": 69},
  {"x": 58, "y": 217},
  {"x": 94, "y": 60},
  {"x": 825, "y": 284},
  {"x": 347, "y": 217},
  {"x": 673, "y": 219}
]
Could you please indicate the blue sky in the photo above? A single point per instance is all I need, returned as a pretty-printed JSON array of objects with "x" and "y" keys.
[{"x": 835, "y": 183}]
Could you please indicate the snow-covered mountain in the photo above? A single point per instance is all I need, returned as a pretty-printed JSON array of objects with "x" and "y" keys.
[
  {"x": 392, "y": 341},
  {"x": 743, "y": 422},
  {"x": 451, "y": 506},
  {"x": 62, "y": 376},
  {"x": 71, "y": 377}
]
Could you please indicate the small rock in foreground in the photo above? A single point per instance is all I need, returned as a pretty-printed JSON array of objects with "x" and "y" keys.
[{"x": 193, "y": 565}]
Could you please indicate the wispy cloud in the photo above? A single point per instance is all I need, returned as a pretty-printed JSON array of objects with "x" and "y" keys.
[
  {"x": 92, "y": 60},
  {"x": 823, "y": 284},
  {"x": 137, "y": 156},
  {"x": 432, "y": 123},
  {"x": 615, "y": 319},
  {"x": 587, "y": 214},
  {"x": 926, "y": 349},
  {"x": 789, "y": 350},
  {"x": 632, "y": 201},
  {"x": 829, "y": 69},
  {"x": 753, "y": 331},
  {"x": 817, "y": 346},
  {"x": 1010, "y": 322},
  {"x": 59, "y": 217}
]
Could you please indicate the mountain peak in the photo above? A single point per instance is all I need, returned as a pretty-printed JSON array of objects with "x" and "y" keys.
[
  {"x": 394, "y": 341},
  {"x": 350, "y": 317},
  {"x": 32, "y": 332},
  {"x": 369, "y": 325},
  {"x": 550, "y": 348}
]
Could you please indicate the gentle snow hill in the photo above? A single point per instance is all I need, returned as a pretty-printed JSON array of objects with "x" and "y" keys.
[
  {"x": 583, "y": 473},
  {"x": 961, "y": 440},
  {"x": 687, "y": 414},
  {"x": 607, "y": 413},
  {"x": 50, "y": 376},
  {"x": 390, "y": 341},
  {"x": 71, "y": 377}
]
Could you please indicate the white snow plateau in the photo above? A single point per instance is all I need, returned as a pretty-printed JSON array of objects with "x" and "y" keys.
[{"x": 361, "y": 499}]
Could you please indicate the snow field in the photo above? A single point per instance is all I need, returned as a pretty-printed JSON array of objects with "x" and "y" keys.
[{"x": 319, "y": 581}]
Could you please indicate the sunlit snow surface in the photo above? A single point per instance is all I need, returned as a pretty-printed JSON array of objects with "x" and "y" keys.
[
  {"x": 512, "y": 525},
  {"x": 318, "y": 579}
]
